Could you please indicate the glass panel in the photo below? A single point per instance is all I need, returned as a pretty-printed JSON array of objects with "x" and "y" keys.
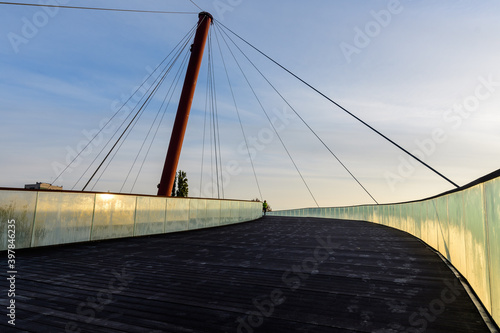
[
  {"x": 63, "y": 218},
  {"x": 405, "y": 212},
  {"x": 440, "y": 207},
  {"x": 195, "y": 214},
  {"x": 225, "y": 212},
  {"x": 431, "y": 224},
  {"x": 456, "y": 232},
  {"x": 410, "y": 219},
  {"x": 150, "y": 216},
  {"x": 257, "y": 210},
  {"x": 177, "y": 214},
  {"x": 417, "y": 217},
  {"x": 235, "y": 212},
  {"x": 213, "y": 213},
  {"x": 20, "y": 207},
  {"x": 243, "y": 212},
  {"x": 114, "y": 216},
  {"x": 475, "y": 243},
  {"x": 492, "y": 198}
]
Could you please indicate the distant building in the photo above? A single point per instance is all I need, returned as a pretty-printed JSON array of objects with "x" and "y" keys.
[{"x": 42, "y": 186}]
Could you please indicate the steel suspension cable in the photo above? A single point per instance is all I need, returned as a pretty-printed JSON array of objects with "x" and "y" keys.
[
  {"x": 171, "y": 94},
  {"x": 194, "y": 3},
  {"x": 145, "y": 103},
  {"x": 139, "y": 112},
  {"x": 211, "y": 88},
  {"x": 207, "y": 98},
  {"x": 94, "y": 8},
  {"x": 150, "y": 129},
  {"x": 302, "y": 119},
  {"x": 270, "y": 122},
  {"x": 216, "y": 117},
  {"x": 167, "y": 68},
  {"x": 238, "y": 113},
  {"x": 218, "y": 135},
  {"x": 122, "y": 106},
  {"x": 211, "y": 131},
  {"x": 341, "y": 107},
  {"x": 144, "y": 106}
]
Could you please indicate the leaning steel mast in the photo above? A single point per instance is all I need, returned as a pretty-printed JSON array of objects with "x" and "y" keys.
[{"x": 185, "y": 102}]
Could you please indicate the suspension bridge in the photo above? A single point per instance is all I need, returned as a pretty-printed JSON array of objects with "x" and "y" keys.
[{"x": 91, "y": 261}]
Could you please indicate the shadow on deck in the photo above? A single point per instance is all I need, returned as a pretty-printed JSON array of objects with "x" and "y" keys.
[{"x": 276, "y": 274}]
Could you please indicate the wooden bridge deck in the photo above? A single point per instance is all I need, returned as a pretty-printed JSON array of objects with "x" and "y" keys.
[{"x": 276, "y": 274}]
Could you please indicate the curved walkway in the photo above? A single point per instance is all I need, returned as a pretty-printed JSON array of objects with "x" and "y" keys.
[{"x": 276, "y": 274}]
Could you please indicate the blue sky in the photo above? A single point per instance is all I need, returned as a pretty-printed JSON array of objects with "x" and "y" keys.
[{"x": 425, "y": 74}]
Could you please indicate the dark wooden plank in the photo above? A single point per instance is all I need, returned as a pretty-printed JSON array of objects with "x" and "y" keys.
[{"x": 276, "y": 274}]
